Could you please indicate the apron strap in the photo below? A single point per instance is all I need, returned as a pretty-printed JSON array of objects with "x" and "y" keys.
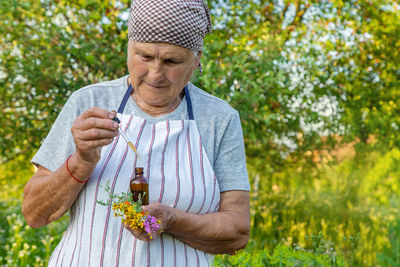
[
  {"x": 189, "y": 103},
  {"x": 125, "y": 99},
  {"x": 129, "y": 91}
]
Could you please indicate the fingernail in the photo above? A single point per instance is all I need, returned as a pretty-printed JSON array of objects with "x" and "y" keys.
[
  {"x": 111, "y": 115},
  {"x": 115, "y": 125}
]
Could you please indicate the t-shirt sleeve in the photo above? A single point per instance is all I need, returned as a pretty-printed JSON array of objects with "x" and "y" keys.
[
  {"x": 59, "y": 143},
  {"x": 230, "y": 163}
]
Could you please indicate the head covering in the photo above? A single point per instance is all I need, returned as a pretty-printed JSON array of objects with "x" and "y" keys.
[{"x": 179, "y": 22}]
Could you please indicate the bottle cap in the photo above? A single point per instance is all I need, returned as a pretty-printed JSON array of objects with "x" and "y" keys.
[{"x": 138, "y": 170}]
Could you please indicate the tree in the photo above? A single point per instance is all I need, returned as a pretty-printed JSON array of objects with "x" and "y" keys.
[
  {"x": 353, "y": 59},
  {"x": 48, "y": 50}
]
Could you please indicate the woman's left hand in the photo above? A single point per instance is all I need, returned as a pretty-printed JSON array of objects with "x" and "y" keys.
[
  {"x": 223, "y": 232},
  {"x": 163, "y": 213}
]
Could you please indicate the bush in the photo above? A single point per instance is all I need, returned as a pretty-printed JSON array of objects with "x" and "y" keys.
[
  {"x": 282, "y": 256},
  {"x": 20, "y": 245},
  {"x": 390, "y": 255}
]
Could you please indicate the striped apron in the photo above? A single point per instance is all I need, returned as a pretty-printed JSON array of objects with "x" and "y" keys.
[{"x": 179, "y": 174}]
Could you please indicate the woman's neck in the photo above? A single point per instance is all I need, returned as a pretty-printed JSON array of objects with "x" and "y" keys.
[{"x": 155, "y": 111}]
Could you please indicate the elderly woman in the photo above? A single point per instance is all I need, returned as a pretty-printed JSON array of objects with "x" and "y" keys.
[{"x": 190, "y": 145}]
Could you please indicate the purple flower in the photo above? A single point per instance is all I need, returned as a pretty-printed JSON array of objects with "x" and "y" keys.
[{"x": 151, "y": 226}]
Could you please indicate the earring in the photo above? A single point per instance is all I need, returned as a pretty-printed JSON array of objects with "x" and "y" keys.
[{"x": 200, "y": 68}]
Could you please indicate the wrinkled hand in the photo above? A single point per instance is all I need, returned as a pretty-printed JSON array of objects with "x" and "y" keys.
[
  {"x": 92, "y": 130},
  {"x": 162, "y": 212}
]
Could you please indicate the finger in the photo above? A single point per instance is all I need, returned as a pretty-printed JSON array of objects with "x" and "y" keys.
[
  {"x": 141, "y": 235},
  {"x": 98, "y": 113},
  {"x": 96, "y": 134},
  {"x": 113, "y": 114},
  {"x": 93, "y": 129},
  {"x": 94, "y": 122},
  {"x": 92, "y": 144}
]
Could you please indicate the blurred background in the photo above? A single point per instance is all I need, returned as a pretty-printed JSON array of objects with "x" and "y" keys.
[{"x": 317, "y": 85}]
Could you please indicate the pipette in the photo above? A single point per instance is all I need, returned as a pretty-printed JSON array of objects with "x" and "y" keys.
[{"x": 121, "y": 132}]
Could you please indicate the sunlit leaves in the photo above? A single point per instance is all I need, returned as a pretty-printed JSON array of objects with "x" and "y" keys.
[{"x": 48, "y": 50}]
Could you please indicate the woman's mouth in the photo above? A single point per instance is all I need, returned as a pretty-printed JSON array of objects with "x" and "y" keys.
[{"x": 158, "y": 86}]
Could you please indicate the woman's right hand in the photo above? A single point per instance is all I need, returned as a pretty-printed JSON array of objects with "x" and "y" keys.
[
  {"x": 92, "y": 130},
  {"x": 48, "y": 195}
]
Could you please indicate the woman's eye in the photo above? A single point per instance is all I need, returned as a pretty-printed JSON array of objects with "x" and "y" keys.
[
  {"x": 171, "y": 61},
  {"x": 144, "y": 57}
]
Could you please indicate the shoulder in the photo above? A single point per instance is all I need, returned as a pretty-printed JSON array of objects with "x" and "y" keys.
[
  {"x": 107, "y": 87},
  {"x": 214, "y": 117},
  {"x": 104, "y": 94},
  {"x": 210, "y": 107}
]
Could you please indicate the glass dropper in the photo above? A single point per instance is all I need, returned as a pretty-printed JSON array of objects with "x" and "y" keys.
[{"x": 121, "y": 132}]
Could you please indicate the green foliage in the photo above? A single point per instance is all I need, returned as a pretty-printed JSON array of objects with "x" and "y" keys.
[
  {"x": 13, "y": 176},
  {"x": 48, "y": 50},
  {"x": 351, "y": 203},
  {"x": 121, "y": 198},
  {"x": 289, "y": 67},
  {"x": 351, "y": 55},
  {"x": 390, "y": 255},
  {"x": 243, "y": 65},
  {"x": 20, "y": 245},
  {"x": 282, "y": 256}
]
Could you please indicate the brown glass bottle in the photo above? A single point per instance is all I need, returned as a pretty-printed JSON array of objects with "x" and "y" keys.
[{"x": 140, "y": 187}]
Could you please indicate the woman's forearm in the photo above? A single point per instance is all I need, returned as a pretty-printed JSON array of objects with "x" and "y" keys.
[
  {"x": 48, "y": 195},
  {"x": 225, "y": 231},
  {"x": 212, "y": 233}
]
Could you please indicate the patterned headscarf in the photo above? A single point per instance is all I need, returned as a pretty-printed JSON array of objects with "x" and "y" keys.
[{"x": 180, "y": 22}]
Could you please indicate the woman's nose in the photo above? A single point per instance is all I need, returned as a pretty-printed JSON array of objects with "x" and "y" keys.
[{"x": 156, "y": 72}]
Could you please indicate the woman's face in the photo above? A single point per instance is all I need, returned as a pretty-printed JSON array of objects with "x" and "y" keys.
[{"x": 159, "y": 71}]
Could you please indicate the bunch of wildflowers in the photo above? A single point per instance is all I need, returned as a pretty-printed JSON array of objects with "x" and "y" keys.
[{"x": 131, "y": 212}]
